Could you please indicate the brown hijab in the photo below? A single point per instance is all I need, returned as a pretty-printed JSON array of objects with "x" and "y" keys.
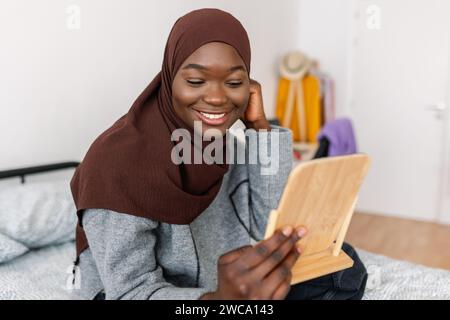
[{"x": 128, "y": 168}]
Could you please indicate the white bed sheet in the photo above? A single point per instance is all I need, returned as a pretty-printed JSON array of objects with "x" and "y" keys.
[
  {"x": 42, "y": 274},
  {"x": 38, "y": 274}
]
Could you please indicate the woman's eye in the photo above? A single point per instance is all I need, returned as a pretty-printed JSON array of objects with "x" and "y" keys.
[
  {"x": 195, "y": 82},
  {"x": 200, "y": 82}
]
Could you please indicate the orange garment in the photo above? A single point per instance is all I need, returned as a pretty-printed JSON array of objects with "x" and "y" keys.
[
  {"x": 283, "y": 89},
  {"x": 311, "y": 96},
  {"x": 311, "y": 107}
]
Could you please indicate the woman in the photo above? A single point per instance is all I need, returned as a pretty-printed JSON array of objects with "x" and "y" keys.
[{"x": 153, "y": 229}]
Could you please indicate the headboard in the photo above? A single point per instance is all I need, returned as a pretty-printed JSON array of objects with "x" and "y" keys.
[{"x": 22, "y": 172}]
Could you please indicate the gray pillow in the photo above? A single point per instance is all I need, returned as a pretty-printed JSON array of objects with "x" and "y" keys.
[{"x": 37, "y": 214}]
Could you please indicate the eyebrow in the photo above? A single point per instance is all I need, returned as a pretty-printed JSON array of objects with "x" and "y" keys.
[{"x": 200, "y": 67}]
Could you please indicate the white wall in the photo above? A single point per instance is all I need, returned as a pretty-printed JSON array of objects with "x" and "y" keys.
[
  {"x": 379, "y": 80},
  {"x": 60, "y": 88},
  {"x": 326, "y": 35}
]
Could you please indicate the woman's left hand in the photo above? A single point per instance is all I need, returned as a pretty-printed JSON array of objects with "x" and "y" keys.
[{"x": 254, "y": 116}]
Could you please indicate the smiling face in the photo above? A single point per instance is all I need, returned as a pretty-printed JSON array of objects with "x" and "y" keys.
[{"x": 211, "y": 86}]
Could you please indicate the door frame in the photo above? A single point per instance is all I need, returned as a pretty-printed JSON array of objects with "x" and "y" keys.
[{"x": 444, "y": 205}]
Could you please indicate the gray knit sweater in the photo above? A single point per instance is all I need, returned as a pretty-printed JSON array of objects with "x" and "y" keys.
[{"x": 130, "y": 257}]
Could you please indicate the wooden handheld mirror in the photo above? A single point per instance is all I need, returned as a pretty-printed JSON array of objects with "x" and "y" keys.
[{"x": 321, "y": 195}]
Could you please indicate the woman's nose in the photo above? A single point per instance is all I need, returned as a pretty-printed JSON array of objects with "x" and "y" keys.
[{"x": 215, "y": 96}]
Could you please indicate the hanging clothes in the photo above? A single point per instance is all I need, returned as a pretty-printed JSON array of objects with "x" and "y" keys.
[
  {"x": 320, "y": 75},
  {"x": 329, "y": 100},
  {"x": 311, "y": 98},
  {"x": 283, "y": 92},
  {"x": 341, "y": 137},
  {"x": 327, "y": 95},
  {"x": 306, "y": 107}
]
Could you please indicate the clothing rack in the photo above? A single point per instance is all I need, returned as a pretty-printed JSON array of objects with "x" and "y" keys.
[{"x": 305, "y": 100}]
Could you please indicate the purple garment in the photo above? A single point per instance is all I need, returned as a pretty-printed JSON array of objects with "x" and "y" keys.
[{"x": 340, "y": 134}]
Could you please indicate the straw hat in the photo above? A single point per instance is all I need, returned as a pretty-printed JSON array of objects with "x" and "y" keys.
[{"x": 294, "y": 65}]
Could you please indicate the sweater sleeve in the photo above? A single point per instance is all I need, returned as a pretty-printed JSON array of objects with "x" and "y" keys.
[
  {"x": 267, "y": 180},
  {"x": 123, "y": 247}
]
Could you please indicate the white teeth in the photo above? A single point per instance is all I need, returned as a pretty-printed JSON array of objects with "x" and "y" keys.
[{"x": 213, "y": 116}]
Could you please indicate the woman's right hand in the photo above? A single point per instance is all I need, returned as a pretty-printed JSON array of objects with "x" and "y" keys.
[{"x": 262, "y": 271}]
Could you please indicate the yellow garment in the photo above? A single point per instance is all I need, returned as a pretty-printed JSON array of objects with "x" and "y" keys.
[
  {"x": 311, "y": 95},
  {"x": 283, "y": 89},
  {"x": 311, "y": 105}
]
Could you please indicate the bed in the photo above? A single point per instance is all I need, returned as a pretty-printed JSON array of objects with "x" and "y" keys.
[
  {"x": 38, "y": 264},
  {"x": 46, "y": 274}
]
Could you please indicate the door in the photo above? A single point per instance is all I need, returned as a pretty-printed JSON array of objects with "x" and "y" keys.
[{"x": 400, "y": 74}]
